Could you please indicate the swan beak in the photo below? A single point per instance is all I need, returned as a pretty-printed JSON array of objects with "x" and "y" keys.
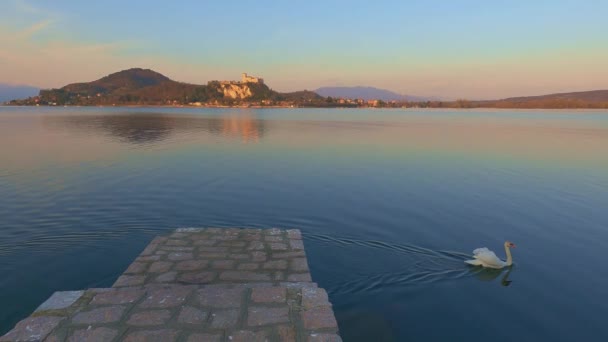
[{"x": 513, "y": 245}]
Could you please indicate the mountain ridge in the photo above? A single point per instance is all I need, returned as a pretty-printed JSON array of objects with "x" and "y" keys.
[{"x": 369, "y": 93}]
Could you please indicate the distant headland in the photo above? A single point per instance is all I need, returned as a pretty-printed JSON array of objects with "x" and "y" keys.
[{"x": 145, "y": 87}]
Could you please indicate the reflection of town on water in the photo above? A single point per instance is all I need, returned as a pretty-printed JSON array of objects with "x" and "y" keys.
[{"x": 143, "y": 128}]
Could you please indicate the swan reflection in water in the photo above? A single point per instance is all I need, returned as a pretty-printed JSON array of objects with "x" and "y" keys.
[{"x": 489, "y": 274}]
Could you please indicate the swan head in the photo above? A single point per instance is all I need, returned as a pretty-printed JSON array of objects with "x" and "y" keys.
[{"x": 509, "y": 244}]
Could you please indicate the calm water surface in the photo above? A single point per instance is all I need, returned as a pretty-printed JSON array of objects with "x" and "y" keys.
[{"x": 390, "y": 203}]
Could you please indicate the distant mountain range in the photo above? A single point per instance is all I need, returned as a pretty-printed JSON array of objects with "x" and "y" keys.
[
  {"x": 369, "y": 93},
  {"x": 10, "y": 92}
]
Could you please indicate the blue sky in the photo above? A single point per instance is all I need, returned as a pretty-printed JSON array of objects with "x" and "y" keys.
[{"x": 451, "y": 49}]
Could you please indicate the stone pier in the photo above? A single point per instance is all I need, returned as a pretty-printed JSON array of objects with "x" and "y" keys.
[{"x": 197, "y": 284}]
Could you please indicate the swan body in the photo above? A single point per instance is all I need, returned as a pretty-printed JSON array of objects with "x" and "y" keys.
[{"x": 486, "y": 258}]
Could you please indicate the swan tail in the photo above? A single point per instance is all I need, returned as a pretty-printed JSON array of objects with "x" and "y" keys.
[{"x": 474, "y": 262}]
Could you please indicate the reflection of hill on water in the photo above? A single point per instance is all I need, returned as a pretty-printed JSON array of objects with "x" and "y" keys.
[{"x": 142, "y": 128}]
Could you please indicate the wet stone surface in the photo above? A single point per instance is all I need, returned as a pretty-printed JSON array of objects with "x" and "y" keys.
[{"x": 197, "y": 284}]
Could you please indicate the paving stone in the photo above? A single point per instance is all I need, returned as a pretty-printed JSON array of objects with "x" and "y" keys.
[
  {"x": 100, "y": 334},
  {"x": 191, "y": 265},
  {"x": 176, "y": 248},
  {"x": 160, "y": 267},
  {"x": 220, "y": 297},
  {"x": 258, "y": 256},
  {"x": 223, "y": 319},
  {"x": 233, "y": 243},
  {"x": 299, "y": 265},
  {"x": 191, "y": 315},
  {"x": 166, "y": 297},
  {"x": 248, "y": 336},
  {"x": 260, "y": 315},
  {"x": 213, "y": 249},
  {"x": 248, "y": 266},
  {"x": 107, "y": 314},
  {"x": 294, "y": 234},
  {"x": 197, "y": 277},
  {"x": 296, "y": 244},
  {"x": 255, "y": 246},
  {"x": 160, "y": 335},
  {"x": 273, "y": 231},
  {"x": 174, "y": 242},
  {"x": 273, "y": 238},
  {"x": 314, "y": 297},
  {"x": 151, "y": 317},
  {"x": 316, "y": 337},
  {"x": 286, "y": 333},
  {"x": 268, "y": 294},
  {"x": 277, "y": 246},
  {"x": 319, "y": 318},
  {"x": 299, "y": 277},
  {"x": 32, "y": 329},
  {"x": 278, "y": 276},
  {"x": 244, "y": 276},
  {"x": 137, "y": 267},
  {"x": 275, "y": 265},
  {"x": 205, "y": 242},
  {"x": 223, "y": 264},
  {"x": 177, "y": 256},
  {"x": 190, "y": 230},
  {"x": 60, "y": 300},
  {"x": 166, "y": 277},
  {"x": 238, "y": 256},
  {"x": 286, "y": 255},
  {"x": 213, "y": 255},
  {"x": 251, "y": 237},
  {"x": 118, "y": 296},
  {"x": 204, "y": 338},
  {"x": 129, "y": 280}
]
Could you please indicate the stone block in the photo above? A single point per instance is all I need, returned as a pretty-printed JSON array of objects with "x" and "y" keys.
[
  {"x": 296, "y": 244},
  {"x": 100, "y": 334},
  {"x": 275, "y": 265},
  {"x": 32, "y": 329},
  {"x": 299, "y": 265},
  {"x": 198, "y": 337},
  {"x": 118, "y": 296},
  {"x": 223, "y": 264},
  {"x": 261, "y": 315},
  {"x": 129, "y": 280},
  {"x": 166, "y": 297},
  {"x": 160, "y": 267},
  {"x": 151, "y": 317},
  {"x": 217, "y": 297},
  {"x": 224, "y": 319},
  {"x": 278, "y": 246},
  {"x": 178, "y": 256},
  {"x": 60, "y": 300},
  {"x": 244, "y": 276},
  {"x": 294, "y": 234},
  {"x": 314, "y": 297},
  {"x": 248, "y": 266},
  {"x": 321, "y": 317},
  {"x": 191, "y": 315},
  {"x": 106, "y": 314},
  {"x": 191, "y": 265},
  {"x": 166, "y": 277},
  {"x": 196, "y": 277},
  {"x": 268, "y": 294},
  {"x": 248, "y": 336},
  {"x": 137, "y": 267},
  {"x": 159, "y": 335},
  {"x": 299, "y": 277}
]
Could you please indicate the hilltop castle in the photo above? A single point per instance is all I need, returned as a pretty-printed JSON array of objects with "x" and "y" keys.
[{"x": 251, "y": 79}]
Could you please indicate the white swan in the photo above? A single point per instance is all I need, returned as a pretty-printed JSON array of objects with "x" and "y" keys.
[{"x": 486, "y": 258}]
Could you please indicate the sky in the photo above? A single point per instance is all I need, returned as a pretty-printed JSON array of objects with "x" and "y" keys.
[{"x": 449, "y": 49}]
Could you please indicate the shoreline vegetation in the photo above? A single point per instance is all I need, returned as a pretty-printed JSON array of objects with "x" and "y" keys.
[{"x": 146, "y": 88}]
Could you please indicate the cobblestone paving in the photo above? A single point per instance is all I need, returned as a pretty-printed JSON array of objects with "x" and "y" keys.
[{"x": 197, "y": 285}]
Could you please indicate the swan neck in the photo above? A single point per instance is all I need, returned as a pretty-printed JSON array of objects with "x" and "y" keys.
[{"x": 509, "y": 257}]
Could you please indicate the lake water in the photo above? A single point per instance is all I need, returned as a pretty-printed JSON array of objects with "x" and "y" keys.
[{"x": 390, "y": 202}]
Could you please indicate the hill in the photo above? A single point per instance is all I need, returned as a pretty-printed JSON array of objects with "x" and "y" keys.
[
  {"x": 368, "y": 93},
  {"x": 581, "y": 99},
  {"x": 10, "y": 92}
]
